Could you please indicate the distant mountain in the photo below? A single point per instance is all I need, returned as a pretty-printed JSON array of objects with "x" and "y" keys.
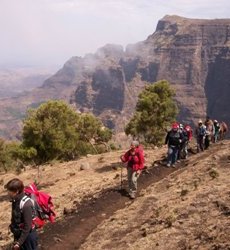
[
  {"x": 16, "y": 80},
  {"x": 192, "y": 54}
]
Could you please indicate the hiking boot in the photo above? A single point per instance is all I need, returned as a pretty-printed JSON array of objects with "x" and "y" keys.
[
  {"x": 173, "y": 165},
  {"x": 168, "y": 165},
  {"x": 132, "y": 196}
]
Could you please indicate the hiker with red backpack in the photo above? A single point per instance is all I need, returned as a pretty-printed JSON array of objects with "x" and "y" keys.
[
  {"x": 30, "y": 210},
  {"x": 134, "y": 158},
  {"x": 42, "y": 204},
  {"x": 189, "y": 131},
  {"x": 25, "y": 235}
]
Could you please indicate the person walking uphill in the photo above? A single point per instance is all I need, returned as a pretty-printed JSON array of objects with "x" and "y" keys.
[
  {"x": 174, "y": 139},
  {"x": 135, "y": 163},
  {"x": 200, "y": 136},
  {"x": 216, "y": 131},
  {"x": 25, "y": 236},
  {"x": 187, "y": 136},
  {"x": 209, "y": 132}
]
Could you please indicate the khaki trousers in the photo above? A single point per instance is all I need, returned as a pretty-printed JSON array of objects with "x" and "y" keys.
[{"x": 132, "y": 180}]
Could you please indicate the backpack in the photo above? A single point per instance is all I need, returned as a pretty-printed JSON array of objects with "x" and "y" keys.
[
  {"x": 188, "y": 129},
  {"x": 137, "y": 154},
  {"x": 42, "y": 204},
  {"x": 174, "y": 138},
  {"x": 202, "y": 131},
  {"x": 131, "y": 161}
]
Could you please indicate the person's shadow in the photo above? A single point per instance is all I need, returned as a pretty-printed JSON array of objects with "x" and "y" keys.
[{"x": 123, "y": 192}]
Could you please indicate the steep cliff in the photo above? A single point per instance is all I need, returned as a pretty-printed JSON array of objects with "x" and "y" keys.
[{"x": 193, "y": 55}]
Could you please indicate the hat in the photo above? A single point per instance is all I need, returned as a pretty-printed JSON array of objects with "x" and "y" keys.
[
  {"x": 200, "y": 121},
  {"x": 135, "y": 143},
  {"x": 175, "y": 125}
]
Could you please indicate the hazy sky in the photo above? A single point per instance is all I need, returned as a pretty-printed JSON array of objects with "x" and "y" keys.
[{"x": 49, "y": 32}]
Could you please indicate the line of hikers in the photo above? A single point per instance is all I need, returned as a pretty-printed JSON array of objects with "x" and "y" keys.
[
  {"x": 177, "y": 139},
  {"x": 30, "y": 208},
  {"x": 179, "y": 136}
]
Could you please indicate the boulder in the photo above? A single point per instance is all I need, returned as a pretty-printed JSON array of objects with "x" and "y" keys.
[{"x": 85, "y": 166}]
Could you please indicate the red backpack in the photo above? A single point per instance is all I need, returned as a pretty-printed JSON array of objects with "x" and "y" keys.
[
  {"x": 43, "y": 205},
  {"x": 189, "y": 132}
]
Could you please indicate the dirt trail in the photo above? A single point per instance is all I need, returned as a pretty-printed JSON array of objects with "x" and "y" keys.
[
  {"x": 62, "y": 235},
  {"x": 188, "y": 209},
  {"x": 68, "y": 184},
  {"x": 71, "y": 232}
]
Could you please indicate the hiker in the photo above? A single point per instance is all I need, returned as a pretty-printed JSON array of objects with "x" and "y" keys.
[
  {"x": 174, "y": 138},
  {"x": 216, "y": 131},
  {"x": 223, "y": 130},
  {"x": 135, "y": 163},
  {"x": 189, "y": 132},
  {"x": 187, "y": 136},
  {"x": 180, "y": 150},
  {"x": 25, "y": 235},
  {"x": 209, "y": 132},
  {"x": 200, "y": 136}
]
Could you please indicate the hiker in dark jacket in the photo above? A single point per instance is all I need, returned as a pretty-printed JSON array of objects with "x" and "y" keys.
[
  {"x": 200, "y": 136},
  {"x": 216, "y": 131},
  {"x": 25, "y": 236},
  {"x": 174, "y": 139},
  {"x": 135, "y": 163}
]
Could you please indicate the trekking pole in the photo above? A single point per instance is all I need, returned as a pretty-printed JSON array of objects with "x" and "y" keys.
[{"x": 121, "y": 176}]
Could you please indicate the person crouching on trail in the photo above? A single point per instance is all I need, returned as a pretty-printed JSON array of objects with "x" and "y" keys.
[
  {"x": 25, "y": 236},
  {"x": 174, "y": 139},
  {"x": 135, "y": 163}
]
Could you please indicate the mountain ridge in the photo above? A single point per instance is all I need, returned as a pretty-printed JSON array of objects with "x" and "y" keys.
[{"x": 192, "y": 54}]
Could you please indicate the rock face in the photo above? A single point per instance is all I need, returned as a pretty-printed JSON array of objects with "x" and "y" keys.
[{"x": 193, "y": 55}]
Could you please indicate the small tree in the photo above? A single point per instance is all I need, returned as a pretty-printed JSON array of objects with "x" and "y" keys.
[
  {"x": 4, "y": 157},
  {"x": 56, "y": 131},
  {"x": 155, "y": 110},
  {"x": 21, "y": 154},
  {"x": 51, "y": 130},
  {"x": 9, "y": 159}
]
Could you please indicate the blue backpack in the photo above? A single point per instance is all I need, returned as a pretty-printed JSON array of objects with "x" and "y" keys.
[{"x": 202, "y": 131}]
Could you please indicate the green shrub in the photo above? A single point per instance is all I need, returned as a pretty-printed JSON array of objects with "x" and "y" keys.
[
  {"x": 155, "y": 110},
  {"x": 56, "y": 131}
]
